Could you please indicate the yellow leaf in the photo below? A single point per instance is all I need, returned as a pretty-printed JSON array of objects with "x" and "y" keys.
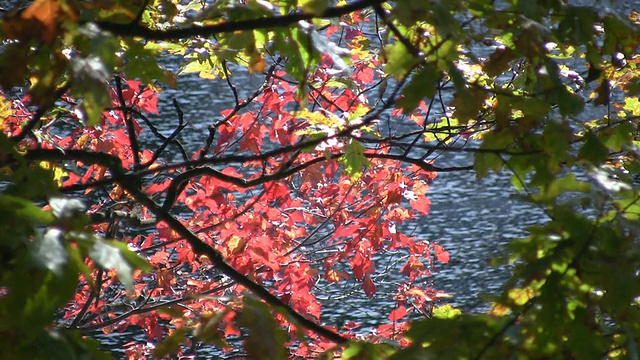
[
  {"x": 58, "y": 172},
  {"x": 521, "y": 296},
  {"x": 236, "y": 244},
  {"x": 499, "y": 310},
  {"x": 5, "y": 109},
  {"x": 256, "y": 63}
]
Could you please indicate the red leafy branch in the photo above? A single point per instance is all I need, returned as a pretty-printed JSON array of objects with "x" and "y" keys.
[
  {"x": 146, "y": 306},
  {"x": 198, "y": 246},
  {"x": 239, "y": 104},
  {"x": 37, "y": 115}
]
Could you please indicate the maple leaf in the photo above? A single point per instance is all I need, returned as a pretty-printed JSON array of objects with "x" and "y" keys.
[
  {"x": 277, "y": 191},
  {"x": 368, "y": 286},
  {"x": 149, "y": 101},
  {"x": 398, "y": 313},
  {"x": 354, "y": 160},
  {"x": 40, "y": 20},
  {"x": 441, "y": 255},
  {"x": 421, "y": 204},
  {"x": 236, "y": 244}
]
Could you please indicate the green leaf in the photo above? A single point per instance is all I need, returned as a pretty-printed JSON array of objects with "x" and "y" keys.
[
  {"x": 583, "y": 342},
  {"x": 352, "y": 350},
  {"x": 266, "y": 339},
  {"x": 499, "y": 61},
  {"x": 67, "y": 344},
  {"x": 354, "y": 160},
  {"x": 114, "y": 255},
  {"x": 50, "y": 252},
  {"x": 314, "y": 7},
  {"x": 422, "y": 85},
  {"x": 142, "y": 63},
  {"x": 593, "y": 150},
  {"x": 367, "y": 350},
  {"x": 468, "y": 104},
  {"x": 399, "y": 60},
  {"x": 446, "y": 312},
  {"x": 24, "y": 210},
  {"x": 616, "y": 137},
  {"x": 89, "y": 76},
  {"x": 632, "y": 106},
  {"x": 171, "y": 344},
  {"x": 569, "y": 103},
  {"x": 483, "y": 162},
  {"x": 561, "y": 185}
]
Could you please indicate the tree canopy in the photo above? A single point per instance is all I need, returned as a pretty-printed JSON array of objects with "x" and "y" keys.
[{"x": 223, "y": 232}]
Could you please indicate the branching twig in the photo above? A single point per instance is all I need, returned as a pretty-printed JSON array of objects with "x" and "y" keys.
[
  {"x": 229, "y": 27},
  {"x": 131, "y": 130},
  {"x": 171, "y": 139},
  {"x": 197, "y": 245}
]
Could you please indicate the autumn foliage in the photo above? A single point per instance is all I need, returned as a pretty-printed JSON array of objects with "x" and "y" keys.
[
  {"x": 217, "y": 235},
  {"x": 287, "y": 196}
]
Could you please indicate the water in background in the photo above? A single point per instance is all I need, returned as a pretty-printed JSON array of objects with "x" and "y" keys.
[{"x": 473, "y": 219}]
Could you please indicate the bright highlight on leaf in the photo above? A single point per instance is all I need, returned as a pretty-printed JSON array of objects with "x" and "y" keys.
[{"x": 113, "y": 255}]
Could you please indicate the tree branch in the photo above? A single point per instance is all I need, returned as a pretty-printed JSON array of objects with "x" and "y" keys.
[
  {"x": 131, "y": 129},
  {"x": 198, "y": 246},
  {"x": 135, "y": 29}
]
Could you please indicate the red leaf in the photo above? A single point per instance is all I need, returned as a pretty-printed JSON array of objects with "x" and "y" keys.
[
  {"x": 346, "y": 231},
  {"x": 422, "y": 204},
  {"x": 368, "y": 286},
  {"x": 365, "y": 75},
  {"x": 420, "y": 188},
  {"x": 361, "y": 266},
  {"x": 276, "y": 191},
  {"x": 398, "y": 313},
  {"x": 441, "y": 255},
  {"x": 350, "y": 325},
  {"x": 149, "y": 101},
  {"x": 134, "y": 84}
]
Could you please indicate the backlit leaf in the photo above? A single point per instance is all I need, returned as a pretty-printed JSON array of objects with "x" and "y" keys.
[
  {"x": 593, "y": 149},
  {"x": 354, "y": 160},
  {"x": 398, "y": 313},
  {"x": 446, "y": 312}
]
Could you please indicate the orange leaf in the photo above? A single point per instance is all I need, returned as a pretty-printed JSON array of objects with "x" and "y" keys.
[
  {"x": 257, "y": 63},
  {"x": 165, "y": 280},
  {"x": 333, "y": 276},
  {"x": 38, "y": 20},
  {"x": 418, "y": 292},
  {"x": 422, "y": 204},
  {"x": 420, "y": 188}
]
